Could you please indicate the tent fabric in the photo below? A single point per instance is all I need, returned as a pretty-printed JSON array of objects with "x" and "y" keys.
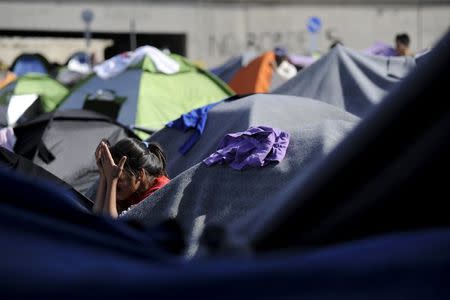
[
  {"x": 7, "y": 138},
  {"x": 422, "y": 56},
  {"x": 64, "y": 143},
  {"x": 11, "y": 161},
  {"x": 255, "y": 147},
  {"x": 51, "y": 249},
  {"x": 30, "y": 63},
  {"x": 301, "y": 61},
  {"x": 6, "y": 78},
  {"x": 283, "y": 112},
  {"x": 195, "y": 119},
  {"x": 119, "y": 63},
  {"x": 348, "y": 79},
  {"x": 77, "y": 67},
  {"x": 79, "y": 56},
  {"x": 380, "y": 48},
  {"x": 50, "y": 91},
  {"x": 256, "y": 77},
  {"x": 152, "y": 98},
  {"x": 201, "y": 197},
  {"x": 374, "y": 182},
  {"x": 69, "y": 77},
  {"x": 386, "y": 176},
  {"x": 46, "y": 217},
  {"x": 227, "y": 71}
]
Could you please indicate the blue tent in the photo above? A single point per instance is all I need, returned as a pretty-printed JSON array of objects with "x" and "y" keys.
[
  {"x": 227, "y": 71},
  {"x": 30, "y": 63}
]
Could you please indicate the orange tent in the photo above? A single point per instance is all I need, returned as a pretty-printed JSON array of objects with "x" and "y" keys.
[
  {"x": 256, "y": 77},
  {"x": 5, "y": 79}
]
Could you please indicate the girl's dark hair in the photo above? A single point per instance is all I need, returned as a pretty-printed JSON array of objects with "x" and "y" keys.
[{"x": 140, "y": 155}]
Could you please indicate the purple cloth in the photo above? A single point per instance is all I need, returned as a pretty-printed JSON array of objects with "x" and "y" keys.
[
  {"x": 380, "y": 48},
  {"x": 256, "y": 147},
  {"x": 301, "y": 60}
]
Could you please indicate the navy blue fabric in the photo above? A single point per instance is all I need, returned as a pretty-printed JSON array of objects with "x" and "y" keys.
[
  {"x": 39, "y": 211},
  {"x": 71, "y": 255},
  {"x": 14, "y": 162},
  {"x": 227, "y": 71},
  {"x": 195, "y": 119}
]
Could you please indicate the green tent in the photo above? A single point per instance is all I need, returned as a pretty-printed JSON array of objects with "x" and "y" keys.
[
  {"x": 50, "y": 91},
  {"x": 146, "y": 98}
]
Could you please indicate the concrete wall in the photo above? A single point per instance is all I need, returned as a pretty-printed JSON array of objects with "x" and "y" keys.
[
  {"x": 55, "y": 49},
  {"x": 216, "y": 31}
]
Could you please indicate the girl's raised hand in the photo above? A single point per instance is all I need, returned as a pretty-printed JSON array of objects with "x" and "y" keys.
[{"x": 110, "y": 169}]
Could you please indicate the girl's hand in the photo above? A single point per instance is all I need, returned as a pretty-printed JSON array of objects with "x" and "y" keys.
[
  {"x": 98, "y": 157},
  {"x": 110, "y": 169}
]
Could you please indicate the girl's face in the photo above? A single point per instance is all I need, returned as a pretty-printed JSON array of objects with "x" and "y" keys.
[{"x": 127, "y": 185}]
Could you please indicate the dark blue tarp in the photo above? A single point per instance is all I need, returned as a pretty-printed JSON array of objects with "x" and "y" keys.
[
  {"x": 51, "y": 249},
  {"x": 14, "y": 162}
]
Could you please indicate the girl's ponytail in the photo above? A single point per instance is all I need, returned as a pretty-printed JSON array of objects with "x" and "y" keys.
[{"x": 155, "y": 149}]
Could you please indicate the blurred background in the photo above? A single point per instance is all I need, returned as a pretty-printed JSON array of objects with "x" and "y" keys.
[{"x": 210, "y": 32}]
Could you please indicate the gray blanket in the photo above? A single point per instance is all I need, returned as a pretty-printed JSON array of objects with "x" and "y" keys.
[
  {"x": 284, "y": 112},
  {"x": 201, "y": 197}
]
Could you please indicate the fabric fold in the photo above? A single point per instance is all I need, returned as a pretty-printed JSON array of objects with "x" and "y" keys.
[
  {"x": 195, "y": 119},
  {"x": 255, "y": 147},
  {"x": 119, "y": 63}
]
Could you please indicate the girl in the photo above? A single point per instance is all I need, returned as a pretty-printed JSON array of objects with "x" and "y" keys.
[{"x": 130, "y": 171}]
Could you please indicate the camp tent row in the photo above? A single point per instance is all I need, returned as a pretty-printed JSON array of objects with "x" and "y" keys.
[
  {"x": 147, "y": 98},
  {"x": 141, "y": 96},
  {"x": 366, "y": 220},
  {"x": 343, "y": 78},
  {"x": 258, "y": 75},
  {"x": 49, "y": 94},
  {"x": 366, "y": 78}
]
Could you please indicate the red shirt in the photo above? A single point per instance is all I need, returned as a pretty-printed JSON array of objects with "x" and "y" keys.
[{"x": 157, "y": 184}]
